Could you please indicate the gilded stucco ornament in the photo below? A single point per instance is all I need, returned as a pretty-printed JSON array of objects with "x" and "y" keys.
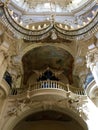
[{"x": 72, "y": 29}]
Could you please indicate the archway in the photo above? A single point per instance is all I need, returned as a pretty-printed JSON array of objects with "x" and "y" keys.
[
  {"x": 50, "y": 120},
  {"x": 60, "y": 116}
]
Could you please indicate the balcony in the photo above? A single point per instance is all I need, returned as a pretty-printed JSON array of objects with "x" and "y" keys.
[{"x": 48, "y": 88}]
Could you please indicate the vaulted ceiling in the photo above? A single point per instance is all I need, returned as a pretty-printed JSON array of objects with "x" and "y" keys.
[
  {"x": 50, "y": 5},
  {"x": 47, "y": 56}
]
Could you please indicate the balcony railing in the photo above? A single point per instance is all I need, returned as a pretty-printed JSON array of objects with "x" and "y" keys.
[{"x": 49, "y": 85}]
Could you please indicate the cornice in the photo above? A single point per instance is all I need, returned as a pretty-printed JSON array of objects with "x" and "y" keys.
[{"x": 35, "y": 35}]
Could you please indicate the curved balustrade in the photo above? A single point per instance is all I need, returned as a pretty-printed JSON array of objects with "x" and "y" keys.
[
  {"x": 87, "y": 29},
  {"x": 49, "y": 85},
  {"x": 35, "y": 35},
  {"x": 22, "y": 31}
]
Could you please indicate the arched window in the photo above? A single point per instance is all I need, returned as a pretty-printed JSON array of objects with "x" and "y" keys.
[{"x": 8, "y": 78}]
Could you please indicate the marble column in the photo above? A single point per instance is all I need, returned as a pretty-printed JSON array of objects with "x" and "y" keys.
[
  {"x": 4, "y": 55},
  {"x": 3, "y": 68},
  {"x": 92, "y": 120},
  {"x": 1, "y": 57},
  {"x": 92, "y": 63}
]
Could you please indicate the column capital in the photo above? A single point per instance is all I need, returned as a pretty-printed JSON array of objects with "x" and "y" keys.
[{"x": 92, "y": 57}]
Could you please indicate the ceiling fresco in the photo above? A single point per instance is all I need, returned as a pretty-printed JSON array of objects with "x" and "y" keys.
[
  {"x": 36, "y": 20},
  {"x": 45, "y": 57},
  {"x": 49, "y": 5}
]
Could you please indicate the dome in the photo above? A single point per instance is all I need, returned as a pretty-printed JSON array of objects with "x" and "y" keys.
[
  {"x": 49, "y": 5},
  {"x": 77, "y": 19}
]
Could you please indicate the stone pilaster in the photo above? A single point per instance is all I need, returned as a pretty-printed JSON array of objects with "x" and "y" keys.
[
  {"x": 80, "y": 70},
  {"x": 92, "y": 62}
]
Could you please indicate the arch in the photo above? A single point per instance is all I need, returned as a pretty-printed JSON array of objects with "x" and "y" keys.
[
  {"x": 61, "y": 45},
  {"x": 54, "y": 57},
  {"x": 13, "y": 121}
]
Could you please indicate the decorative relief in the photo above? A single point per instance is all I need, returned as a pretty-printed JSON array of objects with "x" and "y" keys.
[
  {"x": 89, "y": 26},
  {"x": 17, "y": 106},
  {"x": 92, "y": 58},
  {"x": 75, "y": 104},
  {"x": 16, "y": 74},
  {"x": 80, "y": 70},
  {"x": 15, "y": 65}
]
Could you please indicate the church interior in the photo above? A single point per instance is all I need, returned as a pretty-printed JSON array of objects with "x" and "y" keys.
[{"x": 48, "y": 64}]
